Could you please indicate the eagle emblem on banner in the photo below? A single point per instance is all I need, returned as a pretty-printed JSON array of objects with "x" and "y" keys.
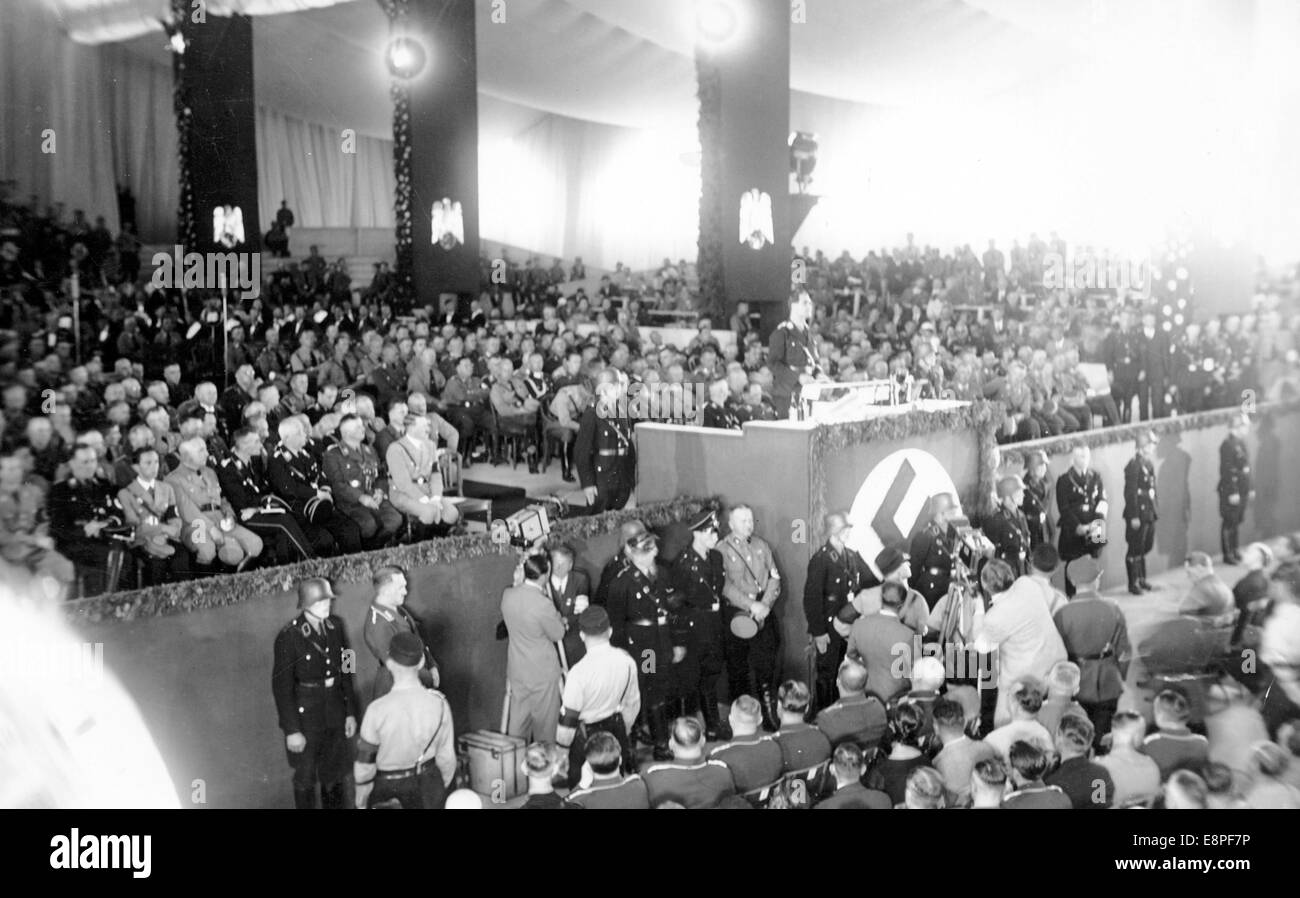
[
  {"x": 228, "y": 225},
  {"x": 756, "y": 219},
  {"x": 448, "y": 224}
]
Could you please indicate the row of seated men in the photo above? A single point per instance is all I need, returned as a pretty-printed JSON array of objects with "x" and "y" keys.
[
  {"x": 923, "y": 751},
  {"x": 275, "y": 503}
]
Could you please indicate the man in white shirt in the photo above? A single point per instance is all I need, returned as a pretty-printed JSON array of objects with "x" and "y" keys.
[
  {"x": 1044, "y": 561},
  {"x": 601, "y": 693},
  {"x": 1280, "y": 647},
  {"x": 1019, "y": 628}
]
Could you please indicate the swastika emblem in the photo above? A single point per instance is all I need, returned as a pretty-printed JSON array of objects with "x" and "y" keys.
[{"x": 890, "y": 505}]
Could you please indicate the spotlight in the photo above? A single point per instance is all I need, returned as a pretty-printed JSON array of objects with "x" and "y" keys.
[
  {"x": 1172, "y": 285},
  {"x": 1178, "y": 320},
  {"x": 1181, "y": 274},
  {"x": 405, "y": 57},
  {"x": 1182, "y": 303},
  {"x": 715, "y": 21},
  {"x": 1168, "y": 326},
  {"x": 1167, "y": 310}
]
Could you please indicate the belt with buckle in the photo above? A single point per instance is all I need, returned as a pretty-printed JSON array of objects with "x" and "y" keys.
[
  {"x": 326, "y": 683},
  {"x": 1101, "y": 657},
  {"x": 611, "y": 452},
  {"x": 210, "y": 507},
  {"x": 644, "y": 622},
  {"x": 938, "y": 570},
  {"x": 405, "y": 772}
]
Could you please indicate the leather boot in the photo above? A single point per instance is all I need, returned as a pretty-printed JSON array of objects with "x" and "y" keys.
[
  {"x": 566, "y": 463},
  {"x": 304, "y": 799},
  {"x": 712, "y": 720},
  {"x": 1131, "y": 567},
  {"x": 1142, "y": 575},
  {"x": 1225, "y": 543},
  {"x": 332, "y": 797},
  {"x": 765, "y": 699},
  {"x": 659, "y": 731}
]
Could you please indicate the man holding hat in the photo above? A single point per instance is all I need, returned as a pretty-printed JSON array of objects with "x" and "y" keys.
[
  {"x": 699, "y": 577},
  {"x": 601, "y": 694},
  {"x": 1096, "y": 638},
  {"x": 1140, "y": 512},
  {"x": 407, "y": 747},
  {"x": 752, "y": 587},
  {"x": 836, "y": 574},
  {"x": 1081, "y": 501},
  {"x": 1007, "y": 527},
  {"x": 314, "y": 697},
  {"x": 1234, "y": 486},
  {"x": 638, "y": 612}
]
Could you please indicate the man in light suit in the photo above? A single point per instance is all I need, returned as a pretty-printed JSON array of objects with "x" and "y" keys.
[
  {"x": 570, "y": 590},
  {"x": 414, "y": 480},
  {"x": 210, "y": 528},
  {"x": 877, "y": 641},
  {"x": 532, "y": 662},
  {"x": 149, "y": 505}
]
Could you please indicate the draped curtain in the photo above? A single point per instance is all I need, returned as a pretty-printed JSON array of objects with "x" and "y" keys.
[{"x": 306, "y": 164}]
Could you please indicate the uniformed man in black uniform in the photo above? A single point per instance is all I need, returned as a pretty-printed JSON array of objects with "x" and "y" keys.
[
  {"x": 836, "y": 574},
  {"x": 1140, "y": 512},
  {"x": 87, "y": 523},
  {"x": 242, "y": 475},
  {"x": 312, "y": 684},
  {"x": 1154, "y": 371},
  {"x": 1007, "y": 527},
  {"x": 603, "y": 451},
  {"x": 698, "y": 577},
  {"x": 1123, "y": 360},
  {"x": 792, "y": 354},
  {"x": 931, "y": 552},
  {"x": 296, "y": 476},
  {"x": 1081, "y": 501},
  {"x": 1037, "y": 498},
  {"x": 614, "y": 568},
  {"x": 717, "y": 410},
  {"x": 639, "y": 602},
  {"x": 1234, "y": 486}
]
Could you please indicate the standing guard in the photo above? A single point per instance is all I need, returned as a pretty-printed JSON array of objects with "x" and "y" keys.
[
  {"x": 836, "y": 574},
  {"x": 603, "y": 451},
  {"x": 1140, "y": 513},
  {"x": 699, "y": 577},
  {"x": 1234, "y": 486},
  {"x": 1007, "y": 527},
  {"x": 1081, "y": 499}
]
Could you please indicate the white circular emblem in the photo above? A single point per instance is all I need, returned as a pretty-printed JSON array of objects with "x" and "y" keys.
[{"x": 889, "y": 506}]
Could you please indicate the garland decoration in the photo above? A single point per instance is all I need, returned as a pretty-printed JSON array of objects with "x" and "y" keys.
[
  {"x": 187, "y": 234},
  {"x": 709, "y": 265},
  {"x": 231, "y": 589},
  {"x": 400, "y": 91},
  {"x": 1014, "y": 455}
]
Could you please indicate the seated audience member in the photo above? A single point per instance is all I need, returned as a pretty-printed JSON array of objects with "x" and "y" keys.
[
  {"x": 959, "y": 753},
  {"x": 608, "y": 788},
  {"x": 924, "y": 790},
  {"x": 857, "y": 717},
  {"x": 1062, "y": 687},
  {"x": 149, "y": 505},
  {"x": 900, "y": 753},
  {"x": 753, "y": 757},
  {"x": 803, "y": 746},
  {"x": 86, "y": 522},
  {"x": 1221, "y": 788},
  {"x": 927, "y": 679},
  {"x": 210, "y": 529},
  {"x": 1135, "y": 775},
  {"x": 1250, "y": 594},
  {"x": 988, "y": 783},
  {"x": 1026, "y": 701},
  {"x": 1209, "y": 596},
  {"x": 1028, "y": 763},
  {"x": 1087, "y": 783},
  {"x": 296, "y": 476},
  {"x": 414, "y": 479},
  {"x": 1233, "y": 726},
  {"x": 1270, "y": 790},
  {"x": 24, "y": 526},
  {"x": 689, "y": 778},
  {"x": 353, "y": 470},
  {"x": 242, "y": 475},
  {"x": 1173, "y": 746},
  {"x": 542, "y": 762},
  {"x": 1185, "y": 791},
  {"x": 847, "y": 766}
]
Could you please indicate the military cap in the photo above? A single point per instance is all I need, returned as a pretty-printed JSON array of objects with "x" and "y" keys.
[
  {"x": 406, "y": 649},
  {"x": 890, "y": 559},
  {"x": 707, "y": 520},
  {"x": 643, "y": 542}
]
